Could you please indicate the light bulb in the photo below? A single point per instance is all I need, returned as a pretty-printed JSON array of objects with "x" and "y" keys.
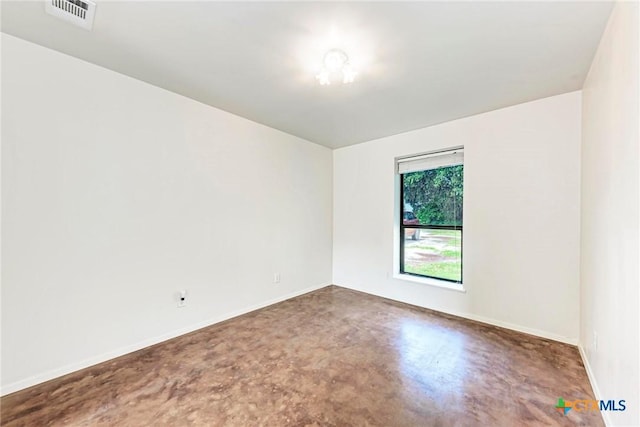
[
  {"x": 348, "y": 75},
  {"x": 323, "y": 77}
]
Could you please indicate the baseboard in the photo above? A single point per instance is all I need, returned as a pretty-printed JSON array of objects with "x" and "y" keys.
[
  {"x": 482, "y": 319},
  {"x": 73, "y": 367},
  {"x": 531, "y": 331},
  {"x": 594, "y": 385}
]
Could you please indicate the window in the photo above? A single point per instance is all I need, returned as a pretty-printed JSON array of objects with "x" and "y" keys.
[{"x": 431, "y": 192}]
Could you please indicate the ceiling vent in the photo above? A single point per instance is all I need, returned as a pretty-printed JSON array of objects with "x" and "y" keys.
[{"x": 78, "y": 12}]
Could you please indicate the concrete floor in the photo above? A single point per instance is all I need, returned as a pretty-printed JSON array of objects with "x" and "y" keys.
[{"x": 333, "y": 357}]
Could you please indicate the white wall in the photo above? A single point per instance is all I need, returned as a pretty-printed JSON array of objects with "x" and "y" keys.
[
  {"x": 610, "y": 214},
  {"x": 116, "y": 194},
  {"x": 521, "y": 216}
]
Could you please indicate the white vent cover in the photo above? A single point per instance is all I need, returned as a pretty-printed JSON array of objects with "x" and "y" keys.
[{"x": 78, "y": 12}]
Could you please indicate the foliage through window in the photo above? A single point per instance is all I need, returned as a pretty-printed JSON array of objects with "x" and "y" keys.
[{"x": 431, "y": 191}]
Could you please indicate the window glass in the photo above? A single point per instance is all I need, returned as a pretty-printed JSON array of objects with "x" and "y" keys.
[{"x": 431, "y": 238}]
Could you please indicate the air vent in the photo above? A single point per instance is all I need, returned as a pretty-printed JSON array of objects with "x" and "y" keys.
[{"x": 78, "y": 12}]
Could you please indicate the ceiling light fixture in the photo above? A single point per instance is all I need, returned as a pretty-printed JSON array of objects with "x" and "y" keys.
[{"x": 336, "y": 66}]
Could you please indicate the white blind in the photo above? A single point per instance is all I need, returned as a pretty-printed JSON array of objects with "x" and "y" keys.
[{"x": 442, "y": 159}]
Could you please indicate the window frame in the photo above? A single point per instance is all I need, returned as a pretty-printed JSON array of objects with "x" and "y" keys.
[{"x": 402, "y": 236}]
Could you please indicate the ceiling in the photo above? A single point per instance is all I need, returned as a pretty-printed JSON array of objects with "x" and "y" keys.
[{"x": 419, "y": 63}]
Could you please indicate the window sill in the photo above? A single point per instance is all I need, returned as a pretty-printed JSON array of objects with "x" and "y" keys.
[{"x": 431, "y": 282}]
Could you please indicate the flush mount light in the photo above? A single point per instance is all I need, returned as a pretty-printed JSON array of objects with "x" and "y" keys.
[{"x": 336, "y": 67}]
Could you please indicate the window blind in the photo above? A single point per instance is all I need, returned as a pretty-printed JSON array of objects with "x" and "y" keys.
[{"x": 431, "y": 161}]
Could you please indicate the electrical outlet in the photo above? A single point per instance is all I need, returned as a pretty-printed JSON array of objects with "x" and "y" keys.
[
  {"x": 595, "y": 341},
  {"x": 276, "y": 278},
  {"x": 182, "y": 298}
]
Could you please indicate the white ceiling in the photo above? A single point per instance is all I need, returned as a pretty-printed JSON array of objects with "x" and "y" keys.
[{"x": 420, "y": 63}]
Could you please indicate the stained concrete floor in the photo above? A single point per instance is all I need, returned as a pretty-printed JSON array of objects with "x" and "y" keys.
[{"x": 333, "y": 357}]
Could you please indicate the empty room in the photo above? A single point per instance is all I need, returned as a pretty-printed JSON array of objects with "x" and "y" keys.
[{"x": 320, "y": 213}]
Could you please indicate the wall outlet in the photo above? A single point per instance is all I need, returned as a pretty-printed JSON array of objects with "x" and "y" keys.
[
  {"x": 182, "y": 298},
  {"x": 276, "y": 278},
  {"x": 595, "y": 341}
]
